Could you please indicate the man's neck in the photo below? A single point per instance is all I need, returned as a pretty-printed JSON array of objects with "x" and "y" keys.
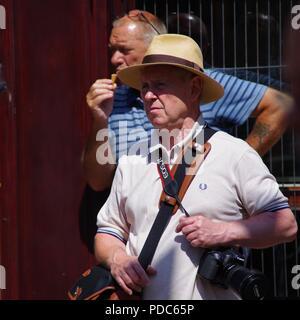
[{"x": 174, "y": 135}]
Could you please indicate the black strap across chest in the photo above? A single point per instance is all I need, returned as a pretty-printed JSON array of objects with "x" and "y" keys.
[{"x": 170, "y": 185}]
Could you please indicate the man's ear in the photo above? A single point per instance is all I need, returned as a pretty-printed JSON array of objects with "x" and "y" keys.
[{"x": 196, "y": 89}]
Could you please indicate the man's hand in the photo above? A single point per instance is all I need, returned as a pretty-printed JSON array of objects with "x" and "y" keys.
[
  {"x": 100, "y": 99},
  {"x": 203, "y": 232},
  {"x": 128, "y": 272}
]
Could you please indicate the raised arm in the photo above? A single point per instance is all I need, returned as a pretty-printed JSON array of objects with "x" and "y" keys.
[
  {"x": 272, "y": 115},
  {"x": 100, "y": 101}
]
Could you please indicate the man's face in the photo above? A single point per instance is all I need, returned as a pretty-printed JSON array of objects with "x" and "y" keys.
[
  {"x": 167, "y": 95},
  {"x": 127, "y": 45}
]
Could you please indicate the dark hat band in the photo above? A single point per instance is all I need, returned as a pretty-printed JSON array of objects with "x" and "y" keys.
[{"x": 154, "y": 58}]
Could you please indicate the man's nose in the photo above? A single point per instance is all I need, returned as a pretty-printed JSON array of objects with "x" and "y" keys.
[
  {"x": 117, "y": 58},
  {"x": 149, "y": 95}
]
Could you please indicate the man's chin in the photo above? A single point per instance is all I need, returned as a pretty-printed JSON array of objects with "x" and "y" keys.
[{"x": 158, "y": 124}]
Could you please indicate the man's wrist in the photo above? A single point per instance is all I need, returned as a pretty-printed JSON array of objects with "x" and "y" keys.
[
  {"x": 236, "y": 233},
  {"x": 116, "y": 255},
  {"x": 100, "y": 123}
]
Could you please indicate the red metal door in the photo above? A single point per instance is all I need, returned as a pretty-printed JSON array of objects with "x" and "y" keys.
[{"x": 50, "y": 56}]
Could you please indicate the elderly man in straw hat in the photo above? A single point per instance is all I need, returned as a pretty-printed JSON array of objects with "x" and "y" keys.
[{"x": 233, "y": 200}]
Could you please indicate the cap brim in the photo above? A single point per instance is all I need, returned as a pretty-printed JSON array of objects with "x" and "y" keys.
[{"x": 212, "y": 90}]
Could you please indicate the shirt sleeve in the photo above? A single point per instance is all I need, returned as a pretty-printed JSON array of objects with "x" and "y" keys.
[
  {"x": 258, "y": 190},
  {"x": 240, "y": 98},
  {"x": 111, "y": 218}
]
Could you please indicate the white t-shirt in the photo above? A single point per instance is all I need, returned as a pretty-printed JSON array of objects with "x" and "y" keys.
[{"x": 232, "y": 183}]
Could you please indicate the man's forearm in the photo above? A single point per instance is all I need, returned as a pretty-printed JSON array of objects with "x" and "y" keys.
[
  {"x": 106, "y": 247},
  {"x": 272, "y": 115},
  {"x": 263, "y": 230},
  {"x": 99, "y": 173},
  {"x": 266, "y": 132},
  {"x": 125, "y": 269}
]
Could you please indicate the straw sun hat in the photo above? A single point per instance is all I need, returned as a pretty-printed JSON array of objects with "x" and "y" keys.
[{"x": 175, "y": 50}]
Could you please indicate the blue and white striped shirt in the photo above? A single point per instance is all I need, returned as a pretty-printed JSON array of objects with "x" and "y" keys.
[{"x": 130, "y": 124}]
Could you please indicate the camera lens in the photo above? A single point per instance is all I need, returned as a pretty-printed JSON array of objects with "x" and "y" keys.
[{"x": 249, "y": 284}]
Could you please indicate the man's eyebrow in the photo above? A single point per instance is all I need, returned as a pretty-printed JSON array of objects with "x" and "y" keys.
[
  {"x": 112, "y": 47},
  {"x": 117, "y": 46}
]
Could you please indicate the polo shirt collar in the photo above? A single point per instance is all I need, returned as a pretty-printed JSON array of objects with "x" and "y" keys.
[{"x": 155, "y": 144}]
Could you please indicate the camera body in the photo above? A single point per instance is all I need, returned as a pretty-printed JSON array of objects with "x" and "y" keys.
[{"x": 225, "y": 268}]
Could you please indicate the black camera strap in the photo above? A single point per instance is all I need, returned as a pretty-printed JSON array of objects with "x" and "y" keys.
[
  {"x": 175, "y": 182},
  {"x": 170, "y": 185}
]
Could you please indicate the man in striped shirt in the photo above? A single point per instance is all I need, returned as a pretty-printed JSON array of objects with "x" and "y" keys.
[{"x": 120, "y": 108}]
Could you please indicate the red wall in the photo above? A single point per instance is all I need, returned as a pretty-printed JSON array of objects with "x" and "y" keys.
[
  {"x": 8, "y": 160},
  {"x": 52, "y": 51}
]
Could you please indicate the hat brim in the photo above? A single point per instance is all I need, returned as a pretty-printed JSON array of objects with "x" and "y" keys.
[{"x": 212, "y": 90}]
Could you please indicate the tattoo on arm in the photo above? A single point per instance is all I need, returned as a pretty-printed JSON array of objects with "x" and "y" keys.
[{"x": 261, "y": 130}]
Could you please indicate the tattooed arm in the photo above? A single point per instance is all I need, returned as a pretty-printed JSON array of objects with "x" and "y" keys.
[{"x": 272, "y": 115}]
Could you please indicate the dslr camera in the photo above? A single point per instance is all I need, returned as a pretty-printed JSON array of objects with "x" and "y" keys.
[{"x": 225, "y": 268}]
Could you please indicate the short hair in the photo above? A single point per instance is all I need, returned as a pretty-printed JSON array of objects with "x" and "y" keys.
[{"x": 149, "y": 22}]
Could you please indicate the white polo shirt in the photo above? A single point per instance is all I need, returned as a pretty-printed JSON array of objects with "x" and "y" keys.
[{"x": 232, "y": 183}]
